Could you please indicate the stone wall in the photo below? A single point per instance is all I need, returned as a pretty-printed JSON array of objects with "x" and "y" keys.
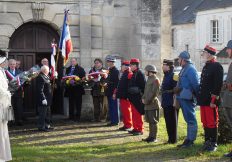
[
  {"x": 126, "y": 28},
  {"x": 184, "y": 37}
]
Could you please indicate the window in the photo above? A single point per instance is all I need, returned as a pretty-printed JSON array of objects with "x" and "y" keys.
[
  {"x": 214, "y": 31},
  {"x": 173, "y": 30},
  {"x": 187, "y": 47}
]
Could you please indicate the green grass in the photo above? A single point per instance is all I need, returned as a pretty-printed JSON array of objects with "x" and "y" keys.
[{"x": 76, "y": 143}]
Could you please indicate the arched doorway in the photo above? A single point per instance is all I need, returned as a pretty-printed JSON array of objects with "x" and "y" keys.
[{"x": 30, "y": 43}]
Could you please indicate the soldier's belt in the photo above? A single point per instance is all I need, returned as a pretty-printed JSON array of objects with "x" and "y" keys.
[{"x": 168, "y": 91}]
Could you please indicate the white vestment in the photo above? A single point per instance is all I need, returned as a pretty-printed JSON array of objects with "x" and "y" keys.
[{"x": 5, "y": 102}]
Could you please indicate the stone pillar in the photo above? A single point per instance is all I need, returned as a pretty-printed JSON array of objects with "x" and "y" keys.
[
  {"x": 85, "y": 33},
  {"x": 166, "y": 23},
  {"x": 85, "y": 54}
]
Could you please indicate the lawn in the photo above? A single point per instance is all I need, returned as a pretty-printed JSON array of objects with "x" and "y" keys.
[{"x": 96, "y": 142}]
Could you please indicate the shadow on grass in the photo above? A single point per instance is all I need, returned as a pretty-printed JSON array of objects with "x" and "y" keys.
[
  {"x": 25, "y": 130},
  {"x": 126, "y": 152}
]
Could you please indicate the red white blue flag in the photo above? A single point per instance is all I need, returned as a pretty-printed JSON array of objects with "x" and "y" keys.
[
  {"x": 53, "y": 62},
  {"x": 65, "y": 44}
]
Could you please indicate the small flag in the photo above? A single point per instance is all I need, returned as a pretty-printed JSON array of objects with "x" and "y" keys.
[
  {"x": 65, "y": 44},
  {"x": 53, "y": 62}
]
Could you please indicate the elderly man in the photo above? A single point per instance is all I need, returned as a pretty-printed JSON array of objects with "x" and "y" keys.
[
  {"x": 44, "y": 99},
  {"x": 227, "y": 98},
  {"x": 17, "y": 97},
  {"x": 75, "y": 92},
  {"x": 187, "y": 90},
  {"x": 5, "y": 102},
  {"x": 18, "y": 65},
  {"x": 210, "y": 88}
]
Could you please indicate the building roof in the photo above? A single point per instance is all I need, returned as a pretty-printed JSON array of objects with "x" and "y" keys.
[{"x": 184, "y": 11}]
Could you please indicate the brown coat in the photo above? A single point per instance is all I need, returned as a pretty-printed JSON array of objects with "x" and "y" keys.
[{"x": 151, "y": 93}]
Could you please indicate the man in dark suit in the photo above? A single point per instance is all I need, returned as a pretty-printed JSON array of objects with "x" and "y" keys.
[
  {"x": 75, "y": 92},
  {"x": 44, "y": 99},
  {"x": 17, "y": 97}
]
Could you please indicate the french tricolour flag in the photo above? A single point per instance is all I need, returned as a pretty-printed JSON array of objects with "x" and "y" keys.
[
  {"x": 53, "y": 62},
  {"x": 65, "y": 44}
]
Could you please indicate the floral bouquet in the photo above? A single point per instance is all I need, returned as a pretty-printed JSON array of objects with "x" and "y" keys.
[
  {"x": 23, "y": 78},
  {"x": 72, "y": 80},
  {"x": 91, "y": 78}
]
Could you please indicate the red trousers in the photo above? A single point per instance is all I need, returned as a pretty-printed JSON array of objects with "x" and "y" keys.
[
  {"x": 126, "y": 113},
  {"x": 137, "y": 119},
  {"x": 209, "y": 117}
]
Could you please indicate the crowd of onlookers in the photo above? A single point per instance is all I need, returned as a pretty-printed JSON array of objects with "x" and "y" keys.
[{"x": 134, "y": 94}]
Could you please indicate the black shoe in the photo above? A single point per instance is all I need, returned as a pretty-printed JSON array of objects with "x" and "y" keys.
[
  {"x": 124, "y": 128},
  {"x": 112, "y": 124},
  {"x": 43, "y": 130},
  {"x": 137, "y": 133},
  {"x": 187, "y": 143},
  {"x": 132, "y": 131},
  {"x": 149, "y": 139},
  {"x": 229, "y": 155},
  {"x": 50, "y": 128},
  {"x": 205, "y": 146},
  {"x": 212, "y": 147}
]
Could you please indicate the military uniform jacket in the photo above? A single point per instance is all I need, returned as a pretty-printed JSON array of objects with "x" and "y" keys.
[
  {"x": 227, "y": 97},
  {"x": 78, "y": 89},
  {"x": 168, "y": 85},
  {"x": 44, "y": 89},
  {"x": 137, "y": 80},
  {"x": 151, "y": 93},
  {"x": 123, "y": 86},
  {"x": 211, "y": 82},
  {"x": 188, "y": 82},
  {"x": 112, "y": 81}
]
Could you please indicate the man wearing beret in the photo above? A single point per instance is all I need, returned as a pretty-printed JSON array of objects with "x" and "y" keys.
[
  {"x": 170, "y": 112},
  {"x": 227, "y": 98},
  {"x": 186, "y": 92},
  {"x": 210, "y": 88},
  {"x": 136, "y": 88},
  {"x": 121, "y": 93}
]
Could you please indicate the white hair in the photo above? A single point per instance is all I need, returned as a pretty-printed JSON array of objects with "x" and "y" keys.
[
  {"x": 44, "y": 68},
  {"x": 12, "y": 61}
]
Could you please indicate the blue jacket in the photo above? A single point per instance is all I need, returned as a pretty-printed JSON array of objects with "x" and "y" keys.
[
  {"x": 189, "y": 80},
  {"x": 167, "y": 89}
]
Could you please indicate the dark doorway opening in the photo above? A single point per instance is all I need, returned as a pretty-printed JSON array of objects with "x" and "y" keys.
[{"x": 30, "y": 43}]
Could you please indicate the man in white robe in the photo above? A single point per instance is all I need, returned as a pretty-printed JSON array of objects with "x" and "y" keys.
[{"x": 5, "y": 103}]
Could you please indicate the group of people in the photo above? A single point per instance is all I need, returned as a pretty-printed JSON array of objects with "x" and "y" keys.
[{"x": 138, "y": 97}]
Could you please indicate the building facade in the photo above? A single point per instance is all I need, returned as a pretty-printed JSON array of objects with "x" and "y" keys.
[{"x": 124, "y": 28}]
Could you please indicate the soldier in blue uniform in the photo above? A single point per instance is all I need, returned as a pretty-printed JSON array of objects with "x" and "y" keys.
[
  {"x": 112, "y": 82},
  {"x": 170, "y": 112},
  {"x": 186, "y": 90}
]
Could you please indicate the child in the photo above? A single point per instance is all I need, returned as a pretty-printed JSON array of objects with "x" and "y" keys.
[{"x": 151, "y": 102}]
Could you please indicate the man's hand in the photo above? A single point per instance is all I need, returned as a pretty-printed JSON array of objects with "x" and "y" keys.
[
  {"x": 143, "y": 101},
  {"x": 177, "y": 90},
  {"x": 44, "y": 102},
  {"x": 212, "y": 105},
  {"x": 114, "y": 96}
]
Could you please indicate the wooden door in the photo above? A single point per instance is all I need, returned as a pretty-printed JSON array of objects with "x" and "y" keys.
[{"x": 30, "y": 43}]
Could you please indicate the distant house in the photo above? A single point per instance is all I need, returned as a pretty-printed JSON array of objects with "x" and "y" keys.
[{"x": 196, "y": 23}]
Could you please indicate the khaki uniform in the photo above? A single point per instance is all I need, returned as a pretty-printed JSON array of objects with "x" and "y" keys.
[
  {"x": 227, "y": 98},
  {"x": 152, "y": 104}
]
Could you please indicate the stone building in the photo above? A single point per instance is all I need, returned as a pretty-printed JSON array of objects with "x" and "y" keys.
[
  {"x": 125, "y": 28},
  {"x": 196, "y": 23}
]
